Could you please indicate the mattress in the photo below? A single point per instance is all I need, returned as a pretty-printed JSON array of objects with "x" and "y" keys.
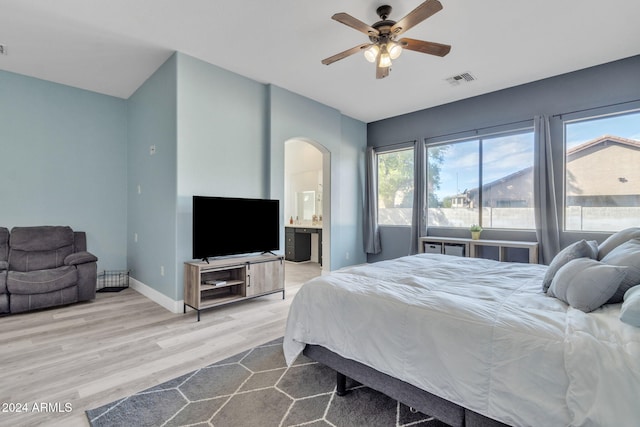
[{"x": 479, "y": 333}]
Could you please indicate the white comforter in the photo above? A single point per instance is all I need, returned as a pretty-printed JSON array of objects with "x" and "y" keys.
[{"x": 478, "y": 333}]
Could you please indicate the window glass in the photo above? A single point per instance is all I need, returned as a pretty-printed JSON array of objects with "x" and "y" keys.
[
  {"x": 452, "y": 182},
  {"x": 507, "y": 182},
  {"x": 395, "y": 187},
  {"x": 486, "y": 181},
  {"x": 602, "y": 176}
]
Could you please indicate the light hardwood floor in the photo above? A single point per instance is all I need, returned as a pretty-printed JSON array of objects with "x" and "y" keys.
[{"x": 88, "y": 354}]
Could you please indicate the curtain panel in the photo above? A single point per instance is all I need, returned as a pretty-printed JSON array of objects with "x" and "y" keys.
[
  {"x": 371, "y": 230},
  {"x": 546, "y": 212},
  {"x": 418, "y": 220}
]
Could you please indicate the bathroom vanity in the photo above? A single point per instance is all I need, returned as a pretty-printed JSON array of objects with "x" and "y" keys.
[{"x": 303, "y": 243}]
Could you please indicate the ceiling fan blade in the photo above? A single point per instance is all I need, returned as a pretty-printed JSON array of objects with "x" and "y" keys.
[
  {"x": 416, "y": 16},
  {"x": 382, "y": 72},
  {"x": 355, "y": 23},
  {"x": 342, "y": 55},
  {"x": 421, "y": 46}
]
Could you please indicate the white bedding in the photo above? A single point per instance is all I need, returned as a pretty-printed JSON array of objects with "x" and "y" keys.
[{"x": 478, "y": 333}]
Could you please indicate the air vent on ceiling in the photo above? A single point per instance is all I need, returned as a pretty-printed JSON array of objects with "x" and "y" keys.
[
  {"x": 461, "y": 78},
  {"x": 3, "y": 49}
]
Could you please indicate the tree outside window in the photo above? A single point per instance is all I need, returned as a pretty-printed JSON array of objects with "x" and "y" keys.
[{"x": 395, "y": 187}]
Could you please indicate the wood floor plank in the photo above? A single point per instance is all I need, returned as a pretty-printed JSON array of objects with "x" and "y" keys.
[{"x": 90, "y": 354}]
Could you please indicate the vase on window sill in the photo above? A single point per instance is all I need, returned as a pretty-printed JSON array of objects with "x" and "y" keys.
[{"x": 475, "y": 230}]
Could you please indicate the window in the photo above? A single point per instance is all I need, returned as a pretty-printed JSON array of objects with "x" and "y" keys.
[
  {"x": 452, "y": 184},
  {"x": 486, "y": 181},
  {"x": 602, "y": 177},
  {"x": 395, "y": 187}
]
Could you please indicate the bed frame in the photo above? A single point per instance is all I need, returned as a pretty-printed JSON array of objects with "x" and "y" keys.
[{"x": 425, "y": 402}]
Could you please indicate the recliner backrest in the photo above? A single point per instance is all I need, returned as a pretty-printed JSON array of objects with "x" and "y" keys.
[
  {"x": 39, "y": 248},
  {"x": 4, "y": 244}
]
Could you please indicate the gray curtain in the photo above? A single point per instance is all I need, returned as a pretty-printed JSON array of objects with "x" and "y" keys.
[
  {"x": 546, "y": 212},
  {"x": 418, "y": 228},
  {"x": 371, "y": 230}
]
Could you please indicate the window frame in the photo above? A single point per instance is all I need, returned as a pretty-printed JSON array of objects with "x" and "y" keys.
[
  {"x": 518, "y": 128},
  {"x": 576, "y": 117},
  {"x": 387, "y": 149}
]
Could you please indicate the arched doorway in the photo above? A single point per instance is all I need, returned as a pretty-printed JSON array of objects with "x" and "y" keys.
[{"x": 307, "y": 196}]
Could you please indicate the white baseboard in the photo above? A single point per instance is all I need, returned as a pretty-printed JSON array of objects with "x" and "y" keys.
[{"x": 157, "y": 297}]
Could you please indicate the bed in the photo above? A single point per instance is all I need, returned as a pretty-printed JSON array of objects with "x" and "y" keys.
[{"x": 470, "y": 341}]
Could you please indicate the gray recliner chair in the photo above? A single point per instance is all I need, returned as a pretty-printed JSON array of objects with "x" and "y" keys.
[
  {"x": 48, "y": 266},
  {"x": 4, "y": 256}
]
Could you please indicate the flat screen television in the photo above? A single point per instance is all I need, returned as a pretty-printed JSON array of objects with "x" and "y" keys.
[{"x": 230, "y": 226}]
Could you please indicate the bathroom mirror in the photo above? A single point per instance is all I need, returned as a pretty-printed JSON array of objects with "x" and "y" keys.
[{"x": 306, "y": 205}]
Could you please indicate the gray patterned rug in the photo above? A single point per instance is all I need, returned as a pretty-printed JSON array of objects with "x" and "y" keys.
[{"x": 255, "y": 388}]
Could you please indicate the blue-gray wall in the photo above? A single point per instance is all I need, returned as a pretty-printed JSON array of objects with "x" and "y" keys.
[
  {"x": 295, "y": 117},
  {"x": 222, "y": 142},
  {"x": 215, "y": 134},
  {"x": 612, "y": 83},
  {"x": 76, "y": 157},
  {"x": 64, "y": 162},
  {"x": 83, "y": 159},
  {"x": 152, "y": 120}
]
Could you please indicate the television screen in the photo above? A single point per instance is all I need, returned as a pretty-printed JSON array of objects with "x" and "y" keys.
[{"x": 230, "y": 226}]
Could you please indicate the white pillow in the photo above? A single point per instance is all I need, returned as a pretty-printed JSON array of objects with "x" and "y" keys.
[
  {"x": 586, "y": 284},
  {"x": 616, "y": 240},
  {"x": 625, "y": 255},
  {"x": 579, "y": 249},
  {"x": 630, "y": 311}
]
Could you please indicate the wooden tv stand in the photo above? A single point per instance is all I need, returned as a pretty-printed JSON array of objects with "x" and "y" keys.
[{"x": 225, "y": 281}]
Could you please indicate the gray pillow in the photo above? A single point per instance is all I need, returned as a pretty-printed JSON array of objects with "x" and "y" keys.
[
  {"x": 630, "y": 310},
  {"x": 625, "y": 255},
  {"x": 586, "y": 284},
  {"x": 617, "y": 239},
  {"x": 579, "y": 249}
]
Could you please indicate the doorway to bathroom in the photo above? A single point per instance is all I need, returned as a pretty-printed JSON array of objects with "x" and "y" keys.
[{"x": 307, "y": 204}]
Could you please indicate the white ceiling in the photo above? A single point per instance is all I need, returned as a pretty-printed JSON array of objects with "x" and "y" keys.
[{"x": 112, "y": 46}]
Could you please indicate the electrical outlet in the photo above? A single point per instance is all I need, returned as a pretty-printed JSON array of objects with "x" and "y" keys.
[
  {"x": 152, "y": 150},
  {"x": 3, "y": 49},
  {"x": 135, "y": 237},
  {"x": 162, "y": 270},
  {"x": 347, "y": 255},
  {"x": 139, "y": 189}
]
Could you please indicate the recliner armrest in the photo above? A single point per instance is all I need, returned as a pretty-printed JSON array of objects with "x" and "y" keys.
[{"x": 82, "y": 257}]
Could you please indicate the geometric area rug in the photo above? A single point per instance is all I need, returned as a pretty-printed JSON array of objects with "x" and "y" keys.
[{"x": 256, "y": 388}]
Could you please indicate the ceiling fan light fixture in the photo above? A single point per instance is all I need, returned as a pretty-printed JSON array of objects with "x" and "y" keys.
[
  {"x": 394, "y": 49},
  {"x": 383, "y": 47},
  {"x": 385, "y": 60},
  {"x": 371, "y": 53}
]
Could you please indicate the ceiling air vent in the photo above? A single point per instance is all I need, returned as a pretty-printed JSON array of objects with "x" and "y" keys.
[
  {"x": 3, "y": 49},
  {"x": 460, "y": 78}
]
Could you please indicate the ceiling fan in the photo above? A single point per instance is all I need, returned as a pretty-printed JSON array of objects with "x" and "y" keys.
[{"x": 383, "y": 46}]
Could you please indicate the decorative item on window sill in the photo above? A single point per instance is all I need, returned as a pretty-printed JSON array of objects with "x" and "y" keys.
[{"x": 475, "y": 231}]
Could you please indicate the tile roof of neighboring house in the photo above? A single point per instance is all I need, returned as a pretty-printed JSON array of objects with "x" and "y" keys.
[
  {"x": 591, "y": 143},
  {"x": 500, "y": 180},
  {"x": 602, "y": 139}
]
